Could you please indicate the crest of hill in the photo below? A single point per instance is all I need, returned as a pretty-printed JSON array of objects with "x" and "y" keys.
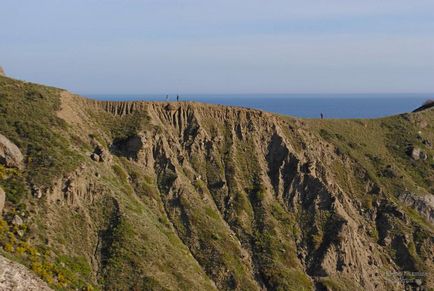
[{"x": 426, "y": 105}]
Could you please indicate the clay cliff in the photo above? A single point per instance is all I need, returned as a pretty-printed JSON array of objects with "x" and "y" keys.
[{"x": 190, "y": 196}]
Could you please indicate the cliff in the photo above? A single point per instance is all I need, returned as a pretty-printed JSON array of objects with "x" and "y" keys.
[{"x": 182, "y": 195}]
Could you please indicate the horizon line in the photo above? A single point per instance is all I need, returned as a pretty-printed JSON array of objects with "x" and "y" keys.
[{"x": 308, "y": 94}]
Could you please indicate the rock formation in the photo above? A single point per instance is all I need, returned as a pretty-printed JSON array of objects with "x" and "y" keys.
[
  {"x": 16, "y": 277},
  {"x": 10, "y": 154},
  {"x": 152, "y": 195}
]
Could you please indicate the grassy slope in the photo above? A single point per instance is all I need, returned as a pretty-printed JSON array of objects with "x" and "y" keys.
[
  {"x": 378, "y": 148},
  {"x": 377, "y": 144},
  {"x": 149, "y": 245},
  {"x": 381, "y": 147},
  {"x": 27, "y": 117},
  {"x": 143, "y": 236}
]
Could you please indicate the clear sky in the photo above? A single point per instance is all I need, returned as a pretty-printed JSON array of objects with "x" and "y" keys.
[{"x": 221, "y": 46}]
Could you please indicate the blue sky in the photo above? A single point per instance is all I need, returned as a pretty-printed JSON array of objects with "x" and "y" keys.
[{"x": 225, "y": 46}]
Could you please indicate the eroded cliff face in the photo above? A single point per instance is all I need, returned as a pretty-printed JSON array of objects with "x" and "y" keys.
[
  {"x": 256, "y": 200},
  {"x": 194, "y": 196}
]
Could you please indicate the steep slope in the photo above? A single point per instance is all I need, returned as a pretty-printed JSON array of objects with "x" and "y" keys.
[{"x": 167, "y": 196}]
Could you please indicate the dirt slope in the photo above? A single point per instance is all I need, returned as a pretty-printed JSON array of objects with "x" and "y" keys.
[{"x": 168, "y": 196}]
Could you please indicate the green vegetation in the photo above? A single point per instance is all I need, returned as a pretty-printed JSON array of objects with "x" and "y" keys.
[
  {"x": 65, "y": 273},
  {"x": 276, "y": 255},
  {"x": 121, "y": 127},
  {"x": 15, "y": 187},
  {"x": 338, "y": 284},
  {"x": 28, "y": 118},
  {"x": 187, "y": 200}
]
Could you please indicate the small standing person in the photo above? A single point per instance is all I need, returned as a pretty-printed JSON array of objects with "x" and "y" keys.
[
  {"x": 322, "y": 116},
  {"x": 167, "y": 97},
  {"x": 177, "y": 97}
]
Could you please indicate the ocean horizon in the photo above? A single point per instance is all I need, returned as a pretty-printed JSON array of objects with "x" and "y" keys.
[{"x": 355, "y": 105}]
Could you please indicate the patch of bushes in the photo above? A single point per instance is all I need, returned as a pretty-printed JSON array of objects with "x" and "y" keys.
[
  {"x": 15, "y": 187},
  {"x": 38, "y": 260}
]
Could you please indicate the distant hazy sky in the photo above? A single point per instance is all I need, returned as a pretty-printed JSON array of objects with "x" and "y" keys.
[{"x": 221, "y": 46}]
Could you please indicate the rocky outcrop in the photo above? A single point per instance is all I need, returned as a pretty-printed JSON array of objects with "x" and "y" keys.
[
  {"x": 100, "y": 154},
  {"x": 416, "y": 153},
  {"x": 119, "y": 108},
  {"x": 16, "y": 277},
  {"x": 233, "y": 152},
  {"x": 2, "y": 72},
  {"x": 424, "y": 204},
  {"x": 10, "y": 154}
]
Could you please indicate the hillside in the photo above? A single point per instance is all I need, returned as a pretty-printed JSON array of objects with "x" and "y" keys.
[{"x": 190, "y": 196}]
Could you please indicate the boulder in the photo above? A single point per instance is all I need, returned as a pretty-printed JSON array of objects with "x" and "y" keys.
[
  {"x": 17, "y": 220},
  {"x": 17, "y": 277},
  {"x": 2, "y": 200},
  {"x": 100, "y": 154},
  {"x": 95, "y": 157},
  {"x": 10, "y": 154},
  {"x": 414, "y": 153}
]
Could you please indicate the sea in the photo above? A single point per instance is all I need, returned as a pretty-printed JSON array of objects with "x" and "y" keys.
[{"x": 299, "y": 105}]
